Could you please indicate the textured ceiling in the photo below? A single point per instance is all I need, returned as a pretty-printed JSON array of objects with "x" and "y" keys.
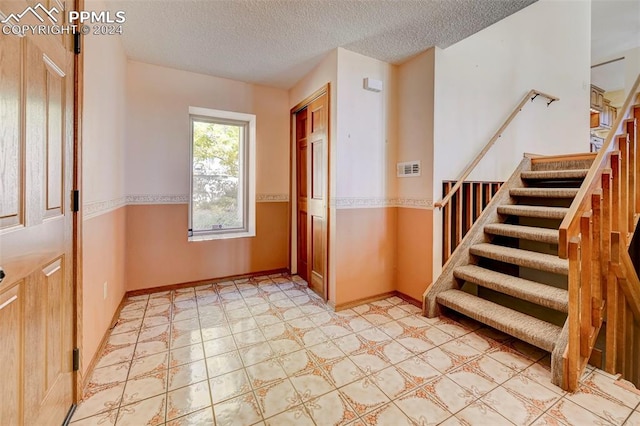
[{"x": 276, "y": 42}]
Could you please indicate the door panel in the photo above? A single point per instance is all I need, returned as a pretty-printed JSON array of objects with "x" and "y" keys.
[
  {"x": 11, "y": 320},
  {"x": 36, "y": 227},
  {"x": 11, "y": 178},
  {"x": 312, "y": 174}
]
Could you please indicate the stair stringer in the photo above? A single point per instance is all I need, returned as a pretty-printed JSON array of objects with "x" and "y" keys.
[
  {"x": 558, "y": 361},
  {"x": 461, "y": 256}
]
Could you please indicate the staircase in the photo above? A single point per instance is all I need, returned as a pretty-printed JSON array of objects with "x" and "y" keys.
[
  {"x": 548, "y": 260},
  {"x": 512, "y": 276}
]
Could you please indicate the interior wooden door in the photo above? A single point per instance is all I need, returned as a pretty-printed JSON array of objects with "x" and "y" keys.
[
  {"x": 312, "y": 124},
  {"x": 36, "y": 226}
]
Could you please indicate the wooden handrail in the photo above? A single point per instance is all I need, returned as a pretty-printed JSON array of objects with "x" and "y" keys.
[
  {"x": 572, "y": 218},
  {"x": 532, "y": 94}
]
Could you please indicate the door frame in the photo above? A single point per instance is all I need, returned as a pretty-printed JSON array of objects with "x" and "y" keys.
[
  {"x": 293, "y": 210},
  {"x": 78, "y": 97}
]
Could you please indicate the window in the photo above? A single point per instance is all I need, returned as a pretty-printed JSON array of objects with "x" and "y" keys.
[{"x": 222, "y": 195}]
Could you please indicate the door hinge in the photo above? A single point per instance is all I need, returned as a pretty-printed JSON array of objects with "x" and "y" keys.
[
  {"x": 77, "y": 42},
  {"x": 76, "y": 359},
  {"x": 75, "y": 195}
]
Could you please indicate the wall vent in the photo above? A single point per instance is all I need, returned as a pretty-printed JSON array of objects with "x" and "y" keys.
[{"x": 408, "y": 169}]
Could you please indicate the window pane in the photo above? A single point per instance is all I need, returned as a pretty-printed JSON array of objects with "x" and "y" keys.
[{"x": 217, "y": 176}]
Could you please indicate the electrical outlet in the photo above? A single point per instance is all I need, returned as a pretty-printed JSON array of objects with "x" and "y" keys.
[{"x": 104, "y": 290}]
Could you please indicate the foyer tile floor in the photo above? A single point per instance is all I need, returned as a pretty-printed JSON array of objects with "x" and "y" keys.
[{"x": 267, "y": 351}]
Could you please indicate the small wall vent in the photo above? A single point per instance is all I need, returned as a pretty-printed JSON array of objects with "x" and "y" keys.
[{"x": 408, "y": 169}]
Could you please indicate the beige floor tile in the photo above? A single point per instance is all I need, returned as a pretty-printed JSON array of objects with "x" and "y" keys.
[
  {"x": 147, "y": 365},
  {"x": 342, "y": 371},
  {"x": 547, "y": 420},
  {"x": 264, "y": 373},
  {"x": 421, "y": 409},
  {"x": 350, "y": 344},
  {"x": 418, "y": 370},
  {"x": 285, "y": 346},
  {"x": 149, "y": 412},
  {"x": 224, "y": 363},
  {"x": 98, "y": 401},
  {"x": 229, "y": 385},
  {"x": 185, "y": 333},
  {"x": 393, "y": 382},
  {"x": 295, "y": 362},
  {"x": 255, "y": 354},
  {"x": 389, "y": 414},
  {"x": 481, "y": 415},
  {"x": 634, "y": 419},
  {"x": 116, "y": 355},
  {"x": 511, "y": 358},
  {"x": 249, "y": 338},
  {"x": 123, "y": 339},
  {"x": 512, "y": 406},
  {"x": 242, "y": 410},
  {"x": 211, "y": 329},
  {"x": 187, "y": 374},
  {"x": 127, "y": 326},
  {"x": 605, "y": 384},
  {"x": 331, "y": 409},
  {"x": 448, "y": 395},
  {"x": 219, "y": 346},
  {"x": 276, "y": 397},
  {"x": 393, "y": 352},
  {"x": 154, "y": 321},
  {"x": 325, "y": 352},
  {"x": 363, "y": 396},
  {"x": 151, "y": 347},
  {"x": 105, "y": 419},
  {"x": 197, "y": 418},
  {"x": 369, "y": 361},
  {"x": 145, "y": 387},
  {"x": 186, "y": 355},
  {"x": 573, "y": 414},
  {"x": 601, "y": 403},
  {"x": 109, "y": 375},
  {"x": 294, "y": 416},
  {"x": 312, "y": 382},
  {"x": 188, "y": 400},
  {"x": 534, "y": 393}
]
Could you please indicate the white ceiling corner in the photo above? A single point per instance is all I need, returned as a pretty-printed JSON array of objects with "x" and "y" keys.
[{"x": 276, "y": 42}]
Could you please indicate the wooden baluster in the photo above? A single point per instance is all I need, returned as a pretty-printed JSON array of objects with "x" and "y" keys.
[
  {"x": 477, "y": 199},
  {"x": 486, "y": 188},
  {"x": 468, "y": 206},
  {"x": 631, "y": 362},
  {"x": 633, "y": 145},
  {"x": 636, "y": 116},
  {"x": 611, "y": 363},
  {"x": 620, "y": 302},
  {"x": 624, "y": 183},
  {"x": 458, "y": 217},
  {"x": 585, "y": 284},
  {"x": 615, "y": 191},
  {"x": 573, "y": 351},
  {"x": 446, "y": 231},
  {"x": 596, "y": 255}
]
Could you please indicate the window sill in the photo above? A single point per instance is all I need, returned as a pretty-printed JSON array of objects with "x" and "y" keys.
[{"x": 229, "y": 236}]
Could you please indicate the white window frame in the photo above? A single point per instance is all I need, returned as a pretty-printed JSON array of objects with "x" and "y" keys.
[{"x": 248, "y": 180}]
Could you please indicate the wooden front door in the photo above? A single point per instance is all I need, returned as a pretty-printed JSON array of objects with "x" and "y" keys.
[
  {"x": 36, "y": 225},
  {"x": 312, "y": 124}
]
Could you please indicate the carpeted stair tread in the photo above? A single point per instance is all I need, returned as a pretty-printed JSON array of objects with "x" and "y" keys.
[
  {"x": 544, "y": 192},
  {"x": 554, "y": 174},
  {"x": 531, "y": 291},
  {"x": 524, "y": 327},
  {"x": 531, "y": 233},
  {"x": 526, "y": 258},
  {"x": 542, "y": 212}
]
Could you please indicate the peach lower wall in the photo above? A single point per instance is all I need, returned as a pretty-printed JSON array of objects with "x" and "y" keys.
[
  {"x": 415, "y": 251},
  {"x": 365, "y": 253},
  {"x": 103, "y": 256},
  {"x": 158, "y": 253}
]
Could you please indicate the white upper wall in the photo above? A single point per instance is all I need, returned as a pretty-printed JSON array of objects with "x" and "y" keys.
[
  {"x": 103, "y": 117},
  {"x": 545, "y": 46},
  {"x": 365, "y": 127},
  {"x": 157, "y": 151}
]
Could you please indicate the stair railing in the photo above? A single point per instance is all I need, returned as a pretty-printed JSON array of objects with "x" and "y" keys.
[
  {"x": 594, "y": 236},
  {"x": 449, "y": 215}
]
